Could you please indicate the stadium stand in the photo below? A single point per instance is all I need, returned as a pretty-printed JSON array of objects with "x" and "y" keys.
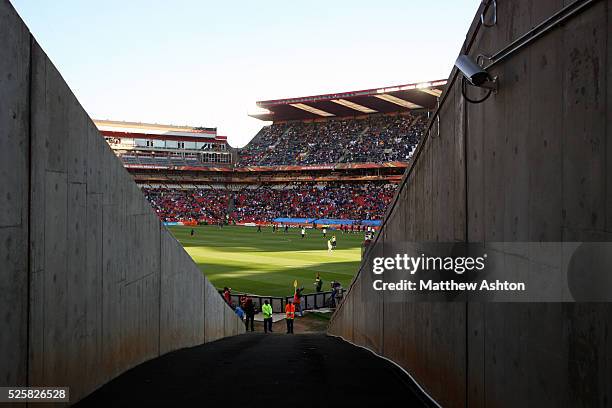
[
  {"x": 203, "y": 205},
  {"x": 376, "y": 139},
  {"x": 263, "y": 204},
  {"x": 304, "y": 200},
  {"x": 335, "y": 157},
  {"x": 163, "y": 146}
]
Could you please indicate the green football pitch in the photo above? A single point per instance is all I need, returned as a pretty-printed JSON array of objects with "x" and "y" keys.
[{"x": 266, "y": 263}]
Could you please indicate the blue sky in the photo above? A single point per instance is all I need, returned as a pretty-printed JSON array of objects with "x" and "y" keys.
[{"x": 205, "y": 63}]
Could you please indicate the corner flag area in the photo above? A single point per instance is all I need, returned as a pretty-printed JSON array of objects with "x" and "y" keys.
[{"x": 267, "y": 263}]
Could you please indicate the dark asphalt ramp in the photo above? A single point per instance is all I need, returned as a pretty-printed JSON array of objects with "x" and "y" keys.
[{"x": 305, "y": 370}]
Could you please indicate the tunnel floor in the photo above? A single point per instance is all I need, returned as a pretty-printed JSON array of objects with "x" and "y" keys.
[{"x": 304, "y": 370}]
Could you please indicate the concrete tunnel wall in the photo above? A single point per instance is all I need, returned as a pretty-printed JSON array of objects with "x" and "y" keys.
[
  {"x": 532, "y": 163},
  {"x": 91, "y": 283}
]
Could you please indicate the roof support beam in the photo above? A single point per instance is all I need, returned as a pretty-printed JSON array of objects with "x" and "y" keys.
[
  {"x": 353, "y": 105},
  {"x": 398, "y": 101},
  {"x": 311, "y": 109}
]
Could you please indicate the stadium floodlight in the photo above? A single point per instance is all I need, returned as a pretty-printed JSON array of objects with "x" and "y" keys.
[
  {"x": 353, "y": 105},
  {"x": 407, "y": 87},
  {"x": 423, "y": 85},
  {"x": 391, "y": 89},
  {"x": 398, "y": 101}
]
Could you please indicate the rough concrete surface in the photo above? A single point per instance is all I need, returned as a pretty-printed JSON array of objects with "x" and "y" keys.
[
  {"x": 532, "y": 163},
  {"x": 92, "y": 284}
]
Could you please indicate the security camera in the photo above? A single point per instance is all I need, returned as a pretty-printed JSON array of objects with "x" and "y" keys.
[{"x": 471, "y": 70}]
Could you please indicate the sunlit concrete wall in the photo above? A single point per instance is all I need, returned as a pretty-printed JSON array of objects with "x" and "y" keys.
[
  {"x": 91, "y": 283},
  {"x": 532, "y": 163}
]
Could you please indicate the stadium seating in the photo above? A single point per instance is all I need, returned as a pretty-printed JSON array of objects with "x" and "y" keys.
[
  {"x": 361, "y": 201},
  {"x": 171, "y": 205},
  {"x": 375, "y": 139}
]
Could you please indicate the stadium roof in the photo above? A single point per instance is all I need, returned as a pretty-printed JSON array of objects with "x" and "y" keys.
[
  {"x": 378, "y": 100},
  {"x": 153, "y": 128},
  {"x": 157, "y": 131}
]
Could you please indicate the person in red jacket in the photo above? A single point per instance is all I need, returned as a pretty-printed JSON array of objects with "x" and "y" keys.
[
  {"x": 227, "y": 295},
  {"x": 289, "y": 315},
  {"x": 249, "y": 311}
]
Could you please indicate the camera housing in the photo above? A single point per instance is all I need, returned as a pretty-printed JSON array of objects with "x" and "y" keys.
[{"x": 471, "y": 70}]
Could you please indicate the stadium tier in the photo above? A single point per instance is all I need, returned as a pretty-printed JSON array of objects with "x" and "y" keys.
[
  {"x": 373, "y": 139},
  {"x": 145, "y": 145},
  {"x": 329, "y": 159},
  {"x": 354, "y": 203}
]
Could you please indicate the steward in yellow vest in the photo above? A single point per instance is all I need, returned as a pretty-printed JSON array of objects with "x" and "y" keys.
[{"x": 266, "y": 309}]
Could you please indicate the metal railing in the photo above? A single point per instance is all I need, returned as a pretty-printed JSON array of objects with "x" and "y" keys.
[{"x": 310, "y": 301}]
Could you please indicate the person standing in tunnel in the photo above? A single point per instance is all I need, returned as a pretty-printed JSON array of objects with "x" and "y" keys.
[
  {"x": 266, "y": 309},
  {"x": 249, "y": 311},
  {"x": 289, "y": 315}
]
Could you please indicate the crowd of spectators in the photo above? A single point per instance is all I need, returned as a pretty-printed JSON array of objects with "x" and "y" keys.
[
  {"x": 263, "y": 141},
  {"x": 374, "y": 139},
  {"x": 355, "y": 201},
  {"x": 391, "y": 138},
  {"x": 172, "y": 205},
  {"x": 364, "y": 201}
]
